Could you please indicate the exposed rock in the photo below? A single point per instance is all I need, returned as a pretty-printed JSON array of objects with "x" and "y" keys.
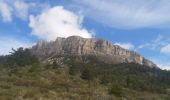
[{"x": 76, "y": 45}]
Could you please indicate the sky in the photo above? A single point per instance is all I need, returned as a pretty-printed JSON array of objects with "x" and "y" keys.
[{"x": 142, "y": 26}]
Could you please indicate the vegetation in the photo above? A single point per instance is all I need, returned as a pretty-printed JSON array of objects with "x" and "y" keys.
[
  {"x": 22, "y": 77},
  {"x": 19, "y": 58},
  {"x": 115, "y": 90},
  {"x": 87, "y": 74}
]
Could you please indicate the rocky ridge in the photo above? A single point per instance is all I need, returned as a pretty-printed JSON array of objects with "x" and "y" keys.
[{"x": 75, "y": 45}]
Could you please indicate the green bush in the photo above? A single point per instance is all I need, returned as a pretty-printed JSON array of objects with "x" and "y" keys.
[
  {"x": 87, "y": 74},
  {"x": 115, "y": 90},
  {"x": 73, "y": 70},
  {"x": 34, "y": 68}
]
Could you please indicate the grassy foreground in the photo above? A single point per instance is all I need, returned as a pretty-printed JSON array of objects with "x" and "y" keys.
[
  {"x": 47, "y": 83},
  {"x": 24, "y": 77}
]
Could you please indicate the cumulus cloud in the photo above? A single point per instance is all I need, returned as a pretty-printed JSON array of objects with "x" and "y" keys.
[
  {"x": 7, "y": 44},
  {"x": 128, "y": 13},
  {"x": 166, "y": 49},
  {"x": 57, "y": 22},
  {"x": 128, "y": 46},
  {"x": 5, "y": 11}
]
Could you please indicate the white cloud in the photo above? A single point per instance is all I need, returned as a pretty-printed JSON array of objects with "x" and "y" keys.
[
  {"x": 16, "y": 8},
  {"x": 5, "y": 11},
  {"x": 161, "y": 44},
  {"x": 128, "y": 46},
  {"x": 166, "y": 49},
  {"x": 153, "y": 44},
  {"x": 21, "y": 9},
  {"x": 7, "y": 44},
  {"x": 128, "y": 13},
  {"x": 161, "y": 61},
  {"x": 164, "y": 66},
  {"x": 57, "y": 22}
]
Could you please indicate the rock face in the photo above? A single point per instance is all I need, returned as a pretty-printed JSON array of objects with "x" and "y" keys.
[{"x": 76, "y": 45}]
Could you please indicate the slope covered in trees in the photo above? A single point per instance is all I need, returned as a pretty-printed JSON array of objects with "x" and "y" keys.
[
  {"x": 19, "y": 58},
  {"x": 22, "y": 76}
]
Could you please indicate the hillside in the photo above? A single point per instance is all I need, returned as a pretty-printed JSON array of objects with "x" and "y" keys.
[
  {"x": 83, "y": 81},
  {"x": 60, "y": 71}
]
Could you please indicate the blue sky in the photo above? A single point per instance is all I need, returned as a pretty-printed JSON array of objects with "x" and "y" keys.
[{"x": 142, "y": 26}]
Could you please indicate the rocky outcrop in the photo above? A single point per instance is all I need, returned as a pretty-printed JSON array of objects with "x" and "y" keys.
[{"x": 76, "y": 45}]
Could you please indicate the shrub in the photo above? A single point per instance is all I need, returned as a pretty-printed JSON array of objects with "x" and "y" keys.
[
  {"x": 87, "y": 74},
  {"x": 55, "y": 65},
  {"x": 73, "y": 70},
  {"x": 115, "y": 90}
]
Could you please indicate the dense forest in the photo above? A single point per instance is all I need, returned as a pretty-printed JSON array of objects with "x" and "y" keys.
[{"x": 23, "y": 76}]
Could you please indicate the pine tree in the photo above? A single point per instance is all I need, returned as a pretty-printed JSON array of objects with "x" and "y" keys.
[{"x": 87, "y": 74}]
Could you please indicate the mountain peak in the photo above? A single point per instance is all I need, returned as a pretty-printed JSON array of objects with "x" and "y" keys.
[{"x": 102, "y": 49}]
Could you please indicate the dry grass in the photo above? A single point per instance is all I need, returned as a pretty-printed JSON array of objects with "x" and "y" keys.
[{"x": 57, "y": 84}]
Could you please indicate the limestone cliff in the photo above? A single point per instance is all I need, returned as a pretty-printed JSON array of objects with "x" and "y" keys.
[{"x": 76, "y": 45}]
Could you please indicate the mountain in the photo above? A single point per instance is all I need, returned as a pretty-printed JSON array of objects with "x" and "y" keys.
[
  {"x": 103, "y": 50},
  {"x": 76, "y": 68}
]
